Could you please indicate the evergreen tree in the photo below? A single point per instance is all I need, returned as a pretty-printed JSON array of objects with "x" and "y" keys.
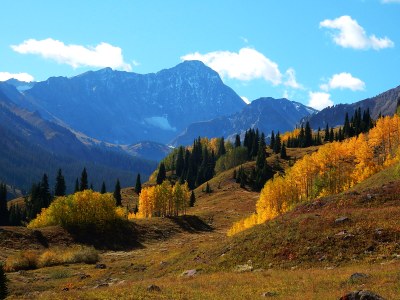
[
  {"x": 117, "y": 194},
  {"x": 60, "y": 188},
  {"x": 33, "y": 202},
  {"x": 3, "y": 205},
  {"x": 138, "y": 185},
  {"x": 15, "y": 215},
  {"x": 237, "y": 141},
  {"x": 45, "y": 195},
  {"x": 326, "y": 137},
  {"x": 346, "y": 126},
  {"x": 180, "y": 162},
  {"x": 272, "y": 142},
  {"x": 162, "y": 174},
  {"x": 192, "y": 199},
  {"x": 261, "y": 157},
  {"x": 221, "y": 147},
  {"x": 3, "y": 283},
  {"x": 283, "y": 151},
  {"x": 84, "y": 181},
  {"x": 308, "y": 135},
  {"x": 103, "y": 188},
  {"x": 76, "y": 189},
  {"x": 331, "y": 135},
  {"x": 277, "y": 144}
]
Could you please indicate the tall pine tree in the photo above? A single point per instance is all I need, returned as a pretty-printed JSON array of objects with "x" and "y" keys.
[
  {"x": 45, "y": 195},
  {"x": 84, "y": 181},
  {"x": 162, "y": 174},
  {"x": 60, "y": 188},
  {"x": 138, "y": 185},
  {"x": 237, "y": 141},
  {"x": 103, "y": 188},
  {"x": 117, "y": 194}
]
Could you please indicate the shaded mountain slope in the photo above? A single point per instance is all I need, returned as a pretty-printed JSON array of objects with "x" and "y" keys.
[
  {"x": 266, "y": 114},
  {"x": 125, "y": 108},
  {"x": 384, "y": 103},
  {"x": 31, "y": 146}
]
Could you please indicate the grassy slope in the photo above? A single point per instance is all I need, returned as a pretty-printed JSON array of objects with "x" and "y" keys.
[{"x": 301, "y": 255}]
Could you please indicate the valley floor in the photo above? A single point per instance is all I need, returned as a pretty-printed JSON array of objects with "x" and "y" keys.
[{"x": 192, "y": 257}]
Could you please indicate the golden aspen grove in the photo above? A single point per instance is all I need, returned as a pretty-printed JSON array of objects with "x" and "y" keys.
[
  {"x": 334, "y": 168},
  {"x": 80, "y": 209},
  {"x": 163, "y": 200}
]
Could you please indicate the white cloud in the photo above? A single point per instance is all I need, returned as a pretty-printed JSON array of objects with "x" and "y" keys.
[
  {"x": 19, "y": 76},
  {"x": 290, "y": 75},
  {"x": 349, "y": 34},
  {"x": 102, "y": 55},
  {"x": 344, "y": 81},
  {"x": 319, "y": 100},
  {"x": 245, "y": 99},
  {"x": 246, "y": 65}
]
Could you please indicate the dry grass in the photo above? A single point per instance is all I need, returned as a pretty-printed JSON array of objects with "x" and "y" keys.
[
  {"x": 281, "y": 284},
  {"x": 28, "y": 260}
]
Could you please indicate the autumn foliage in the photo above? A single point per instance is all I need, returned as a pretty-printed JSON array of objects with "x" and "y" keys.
[
  {"x": 334, "y": 168},
  {"x": 86, "y": 208},
  {"x": 163, "y": 200}
]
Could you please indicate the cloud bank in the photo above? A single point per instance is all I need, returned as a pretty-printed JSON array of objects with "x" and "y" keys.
[
  {"x": 19, "y": 76},
  {"x": 102, "y": 55},
  {"x": 344, "y": 81},
  {"x": 319, "y": 100},
  {"x": 245, "y": 65},
  {"x": 347, "y": 33}
]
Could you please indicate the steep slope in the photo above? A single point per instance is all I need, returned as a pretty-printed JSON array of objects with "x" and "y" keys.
[
  {"x": 384, "y": 104},
  {"x": 266, "y": 114},
  {"x": 31, "y": 146},
  {"x": 124, "y": 107}
]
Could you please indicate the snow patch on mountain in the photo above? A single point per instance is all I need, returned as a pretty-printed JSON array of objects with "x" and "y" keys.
[{"x": 160, "y": 122}]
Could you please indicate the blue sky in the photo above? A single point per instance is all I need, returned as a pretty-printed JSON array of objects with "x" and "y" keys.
[{"x": 316, "y": 52}]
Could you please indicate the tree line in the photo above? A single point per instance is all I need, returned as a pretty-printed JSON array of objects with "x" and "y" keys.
[
  {"x": 41, "y": 197},
  {"x": 334, "y": 168}
]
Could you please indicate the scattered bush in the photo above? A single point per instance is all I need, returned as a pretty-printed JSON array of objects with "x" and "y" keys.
[
  {"x": 27, "y": 260},
  {"x": 23, "y": 260}
]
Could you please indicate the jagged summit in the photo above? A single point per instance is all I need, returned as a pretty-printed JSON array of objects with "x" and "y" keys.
[{"x": 126, "y": 107}]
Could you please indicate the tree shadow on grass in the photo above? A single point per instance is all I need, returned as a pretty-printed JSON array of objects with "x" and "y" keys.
[
  {"x": 192, "y": 224},
  {"x": 117, "y": 235}
]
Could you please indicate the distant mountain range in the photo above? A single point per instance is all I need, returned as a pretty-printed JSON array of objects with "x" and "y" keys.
[
  {"x": 115, "y": 122},
  {"x": 31, "y": 146},
  {"x": 126, "y": 108},
  {"x": 384, "y": 104},
  {"x": 266, "y": 114}
]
